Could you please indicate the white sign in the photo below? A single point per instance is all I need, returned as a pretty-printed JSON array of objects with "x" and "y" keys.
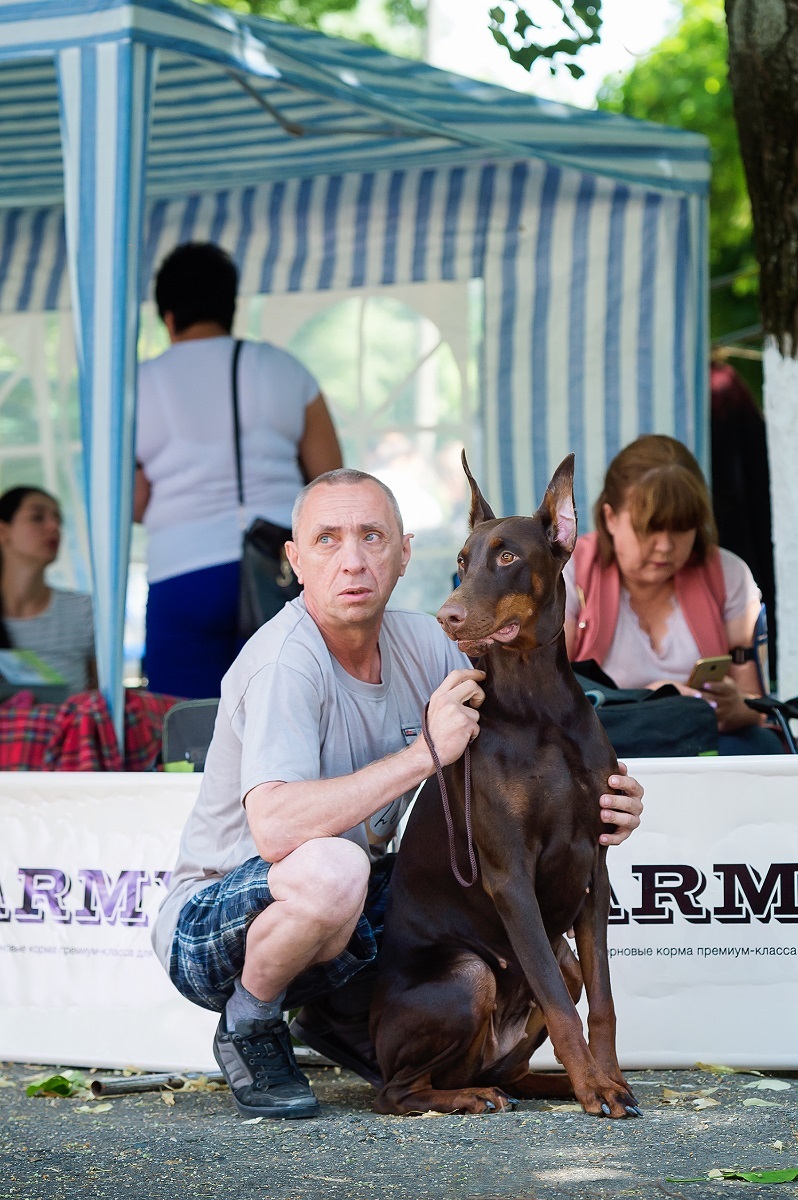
[
  {"x": 703, "y": 933},
  {"x": 83, "y": 860}
]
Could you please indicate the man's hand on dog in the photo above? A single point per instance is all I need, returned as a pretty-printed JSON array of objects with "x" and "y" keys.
[
  {"x": 622, "y": 809},
  {"x": 452, "y": 717},
  {"x": 453, "y": 722}
]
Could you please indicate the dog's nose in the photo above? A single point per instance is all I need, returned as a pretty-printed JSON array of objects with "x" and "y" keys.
[{"x": 452, "y": 614}]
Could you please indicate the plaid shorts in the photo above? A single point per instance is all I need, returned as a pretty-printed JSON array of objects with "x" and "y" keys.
[{"x": 210, "y": 940}]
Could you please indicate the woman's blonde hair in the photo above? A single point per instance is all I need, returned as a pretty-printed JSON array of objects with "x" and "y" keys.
[{"x": 660, "y": 483}]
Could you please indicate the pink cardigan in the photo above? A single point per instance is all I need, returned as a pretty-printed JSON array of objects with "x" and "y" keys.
[{"x": 700, "y": 592}]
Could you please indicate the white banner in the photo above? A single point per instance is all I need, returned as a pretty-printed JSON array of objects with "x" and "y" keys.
[
  {"x": 703, "y": 933},
  {"x": 83, "y": 858}
]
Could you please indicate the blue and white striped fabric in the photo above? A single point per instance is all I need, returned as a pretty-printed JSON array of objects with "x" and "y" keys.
[
  {"x": 587, "y": 229},
  {"x": 104, "y": 91},
  {"x": 593, "y": 302},
  {"x": 353, "y": 103}
]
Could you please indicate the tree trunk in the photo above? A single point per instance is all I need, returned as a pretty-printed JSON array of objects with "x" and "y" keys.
[{"x": 763, "y": 73}]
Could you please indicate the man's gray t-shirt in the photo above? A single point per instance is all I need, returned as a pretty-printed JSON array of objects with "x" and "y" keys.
[{"x": 290, "y": 712}]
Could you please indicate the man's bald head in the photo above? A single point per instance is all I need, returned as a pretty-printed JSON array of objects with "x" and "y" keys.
[{"x": 343, "y": 475}]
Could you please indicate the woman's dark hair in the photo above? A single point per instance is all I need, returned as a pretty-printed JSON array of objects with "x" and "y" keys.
[
  {"x": 10, "y": 502},
  {"x": 198, "y": 281},
  {"x": 660, "y": 483}
]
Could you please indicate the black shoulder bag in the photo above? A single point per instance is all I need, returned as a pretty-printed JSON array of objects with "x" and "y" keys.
[
  {"x": 645, "y": 724},
  {"x": 267, "y": 581}
]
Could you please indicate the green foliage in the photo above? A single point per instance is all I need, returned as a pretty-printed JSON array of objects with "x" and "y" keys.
[
  {"x": 683, "y": 82},
  {"x": 68, "y": 1083},
  {"x": 514, "y": 29},
  {"x": 311, "y": 13},
  {"x": 299, "y": 12}
]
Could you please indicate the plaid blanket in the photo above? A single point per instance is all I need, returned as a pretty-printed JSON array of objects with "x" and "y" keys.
[{"x": 78, "y": 735}]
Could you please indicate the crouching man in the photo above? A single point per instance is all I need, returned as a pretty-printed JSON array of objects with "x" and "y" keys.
[{"x": 282, "y": 874}]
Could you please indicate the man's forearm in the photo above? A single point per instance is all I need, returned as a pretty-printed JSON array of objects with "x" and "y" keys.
[{"x": 283, "y": 816}]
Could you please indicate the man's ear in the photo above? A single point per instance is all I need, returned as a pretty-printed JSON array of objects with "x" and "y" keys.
[
  {"x": 480, "y": 509},
  {"x": 405, "y": 552},
  {"x": 557, "y": 512},
  {"x": 292, "y": 554}
]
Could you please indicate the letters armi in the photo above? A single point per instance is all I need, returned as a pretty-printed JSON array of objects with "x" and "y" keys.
[
  {"x": 736, "y": 894},
  {"x": 742, "y": 893},
  {"x": 94, "y": 897}
]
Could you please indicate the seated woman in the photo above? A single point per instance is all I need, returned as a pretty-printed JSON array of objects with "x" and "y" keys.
[
  {"x": 650, "y": 591},
  {"x": 57, "y": 625}
]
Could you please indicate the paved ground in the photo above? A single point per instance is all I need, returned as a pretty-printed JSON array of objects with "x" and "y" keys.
[{"x": 142, "y": 1148}]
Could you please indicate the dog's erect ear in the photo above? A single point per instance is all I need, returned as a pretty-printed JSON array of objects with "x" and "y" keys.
[
  {"x": 557, "y": 510},
  {"x": 480, "y": 509}
]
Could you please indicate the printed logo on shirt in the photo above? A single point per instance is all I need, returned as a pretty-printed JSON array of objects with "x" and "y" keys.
[
  {"x": 382, "y": 826},
  {"x": 410, "y": 733}
]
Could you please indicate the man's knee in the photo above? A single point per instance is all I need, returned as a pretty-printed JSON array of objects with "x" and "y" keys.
[{"x": 326, "y": 878}]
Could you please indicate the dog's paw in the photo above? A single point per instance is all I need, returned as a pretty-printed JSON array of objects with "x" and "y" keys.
[
  {"x": 608, "y": 1099},
  {"x": 484, "y": 1100}
]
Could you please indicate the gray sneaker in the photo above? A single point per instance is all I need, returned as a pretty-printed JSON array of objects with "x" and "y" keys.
[{"x": 258, "y": 1063}]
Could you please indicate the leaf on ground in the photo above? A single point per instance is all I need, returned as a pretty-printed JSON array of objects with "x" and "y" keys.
[
  {"x": 716, "y": 1068},
  {"x": 94, "y": 1108},
  {"x": 253, "y": 1121},
  {"x": 778, "y": 1145},
  {"x": 769, "y": 1085},
  {"x": 6, "y": 1082},
  {"x": 699, "y": 1098},
  {"x": 70, "y": 1083},
  {"x": 431, "y": 1113},
  {"x": 787, "y": 1176},
  {"x": 565, "y": 1108},
  {"x": 755, "y": 1102},
  {"x": 202, "y": 1084},
  {"x": 168, "y": 1098}
]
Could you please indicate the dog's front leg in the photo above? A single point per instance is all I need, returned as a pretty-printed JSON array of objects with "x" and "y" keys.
[
  {"x": 596, "y": 1090},
  {"x": 591, "y": 943}
]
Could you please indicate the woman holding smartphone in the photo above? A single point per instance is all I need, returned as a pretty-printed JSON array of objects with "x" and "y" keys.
[{"x": 651, "y": 592}]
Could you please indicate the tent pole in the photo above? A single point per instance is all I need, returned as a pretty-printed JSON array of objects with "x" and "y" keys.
[{"x": 105, "y": 93}]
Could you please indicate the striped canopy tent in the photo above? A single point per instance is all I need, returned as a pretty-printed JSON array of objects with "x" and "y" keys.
[{"x": 323, "y": 164}]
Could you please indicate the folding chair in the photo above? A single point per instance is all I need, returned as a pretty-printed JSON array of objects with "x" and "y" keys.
[
  {"x": 187, "y": 732},
  {"x": 779, "y": 712}
]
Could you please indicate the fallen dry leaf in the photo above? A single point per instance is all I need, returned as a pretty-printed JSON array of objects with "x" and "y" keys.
[
  {"x": 769, "y": 1085},
  {"x": 6, "y": 1082},
  {"x": 253, "y": 1121},
  {"x": 755, "y": 1102},
  {"x": 715, "y": 1068},
  {"x": 565, "y": 1107},
  {"x": 778, "y": 1145},
  {"x": 168, "y": 1098},
  {"x": 94, "y": 1108},
  {"x": 705, "y": 1102}
]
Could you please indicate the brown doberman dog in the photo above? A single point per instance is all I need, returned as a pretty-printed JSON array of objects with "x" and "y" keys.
[{"x": 472, "y": 978}]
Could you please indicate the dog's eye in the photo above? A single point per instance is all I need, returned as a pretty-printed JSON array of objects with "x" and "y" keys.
[
  {"x": 506, "y": 557},
  {"x": 461, "y": 563}
]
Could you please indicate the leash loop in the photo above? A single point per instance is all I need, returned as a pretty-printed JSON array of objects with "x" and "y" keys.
[{"x": 466, "y": 883}]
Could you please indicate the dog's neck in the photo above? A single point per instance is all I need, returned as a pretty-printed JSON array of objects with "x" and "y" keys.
[{"x": 534, "y": 681}]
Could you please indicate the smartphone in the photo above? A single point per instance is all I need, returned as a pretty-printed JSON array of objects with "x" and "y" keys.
[{"x": 709, "y": 670}]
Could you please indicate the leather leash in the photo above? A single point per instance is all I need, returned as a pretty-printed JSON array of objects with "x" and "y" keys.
[{"x": 466, "y": 883}]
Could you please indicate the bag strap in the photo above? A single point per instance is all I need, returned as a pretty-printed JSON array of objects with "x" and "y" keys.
[{"x": 237, "y": 428}]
